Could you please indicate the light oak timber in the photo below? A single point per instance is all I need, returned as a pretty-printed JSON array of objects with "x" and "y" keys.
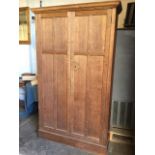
[{"x": 75, "y": 52}]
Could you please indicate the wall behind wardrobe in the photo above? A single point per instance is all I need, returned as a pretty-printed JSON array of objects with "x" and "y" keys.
[{"x": 27, "y": 52}]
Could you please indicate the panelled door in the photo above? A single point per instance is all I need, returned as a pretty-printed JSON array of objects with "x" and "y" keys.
[
  {"x": 72, "y": 70},
  {"x": 53, "y": 71},
  {"x": 89, "y": 75}
]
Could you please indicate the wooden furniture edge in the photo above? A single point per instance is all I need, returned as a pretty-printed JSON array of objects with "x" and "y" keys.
[
  {"x": 127, "y": 134},
  {"x": 73, "y": 142},
  {"x": 120, "y": 141},
  {"x": 80, "y": 6},
  {"x": 57, "y": 137},
  {"x": 23, "y": 8},
  {"x": 24, "y": 42}
]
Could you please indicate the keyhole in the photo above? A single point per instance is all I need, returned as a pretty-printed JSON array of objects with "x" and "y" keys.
[{"x": 76, "y": 66}]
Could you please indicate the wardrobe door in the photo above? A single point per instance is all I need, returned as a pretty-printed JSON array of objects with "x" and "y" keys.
[
  {"x": 53, "y": 72},
  {"x": 89, "y": 75}
]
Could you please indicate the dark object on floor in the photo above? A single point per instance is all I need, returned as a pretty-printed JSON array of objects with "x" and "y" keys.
[
  {"x": 122, "y": 136},
  {"x": 30, "y": 103},
  {"x": 120, "y": 149}
]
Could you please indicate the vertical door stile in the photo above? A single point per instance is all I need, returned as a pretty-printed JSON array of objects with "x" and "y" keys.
[
  {"x": 54, "y": 82},
  {"x": 108, "y": 29},
  {"x": 107, "y": 44},
  {"x": 111, "y": 23},
  {"x": 110, "y": 67},
  {"x": 38, "y": 54},
  {"x": 102, "y": 136},
  {"x": 70, "y": 60},
  {"x": 86, "y": 101}
]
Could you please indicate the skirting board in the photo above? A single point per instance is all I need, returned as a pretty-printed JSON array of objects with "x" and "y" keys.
[{"x": 100, "y": 150}]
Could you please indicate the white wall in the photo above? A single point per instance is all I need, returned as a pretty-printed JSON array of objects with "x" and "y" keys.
[
  {"x": 24, "y": 59},
  {"x": 36, "y": 3},
  {"x": 32, "y": 47},
  {"x": 27, "y": 53}
]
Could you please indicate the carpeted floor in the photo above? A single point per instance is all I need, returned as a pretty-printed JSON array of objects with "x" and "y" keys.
[{"x": 31, "y": 144}]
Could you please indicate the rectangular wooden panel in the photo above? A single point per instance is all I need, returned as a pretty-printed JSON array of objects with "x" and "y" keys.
[
  {"x": 90, "y": 12},
  {"x": 54, "y": 79},
  {"x": 60, "y": 82},
  {"x": 60, "y": 34},
  {"x": 81, "y": 35},
  {"x": 97, "y": 33},
  {"x": 93, "y": 117},
  {"x": 94, "y": 96},
  {"x": 47, "y": 34},
  {"x": 54, "y": 71},
  {"x": 54, "y": 35},
  {"x": 95, "y": 71},
  {"x": 80, "y": 63},
  {"x": 89, "y": 49},
  {"x": 55, "y": 14},
  {"x": 48, "y": 103},
  {"x": 90, "y": 32}
]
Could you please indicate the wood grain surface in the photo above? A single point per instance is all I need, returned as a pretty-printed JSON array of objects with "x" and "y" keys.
[{"x": 75, "y": 51}]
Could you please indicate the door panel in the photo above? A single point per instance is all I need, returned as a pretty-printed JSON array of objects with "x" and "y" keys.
[
  {"x": 60, "y": 81},
  {"x": 90, "y": 34},
  {"x": 60, "y": 34},
  {"x": 54, "y": 35},
  {"x": 94, "y": 114},
  {"x": 95, "y": 71},
  {"x": 48, "y": 91},
  {"x": 94, "y": 96},
  {"x": 80, "y": 72},
  {"x": 81, "y": 34},
  {"x": 47, "y": 34},
  {"x": 54, "y": 73},
  {"x": 89, "y": 50},
  {"x": 96, "y": 38}
]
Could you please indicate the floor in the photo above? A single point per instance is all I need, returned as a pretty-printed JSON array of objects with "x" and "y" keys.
[{"x": 31, "y": 144}]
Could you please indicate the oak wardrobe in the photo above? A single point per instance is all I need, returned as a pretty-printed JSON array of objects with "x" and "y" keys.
[{"x": 75, "y": 49}]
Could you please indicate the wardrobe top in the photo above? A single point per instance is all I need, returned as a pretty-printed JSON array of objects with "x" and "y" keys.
[{"x": 81, "y": 6}]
